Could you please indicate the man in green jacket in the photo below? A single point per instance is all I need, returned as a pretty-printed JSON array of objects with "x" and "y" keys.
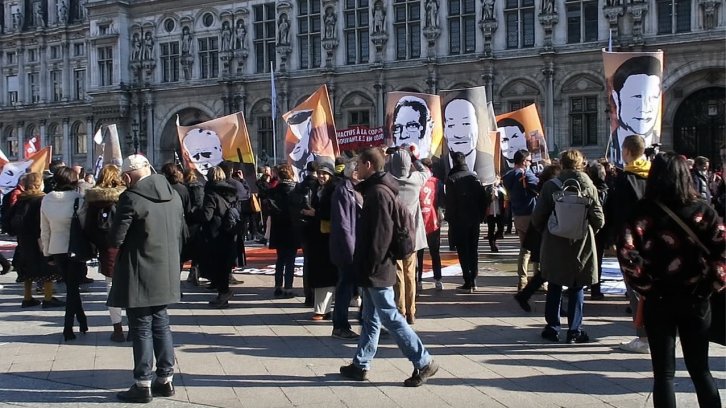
[{"x": 148, "y": 232}]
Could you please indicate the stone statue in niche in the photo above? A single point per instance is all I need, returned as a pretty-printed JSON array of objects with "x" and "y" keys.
[
  {"x": 548, "y": 7},
  {"x": 432, "y": 13},
  {"x": 136, "y": 47},
  {"x": 487, "y": 10},
  {"x": 379, "y": 17},
  {"x": 283, "y": 29},
  {"x": 148, "y": 52},
  {"x": 330, "y": 20},
  {"x": 82, "y": 10},
  {"x": 241, "y": 34},
  {"x": 186, "y": 41},
  {"x": 612, "y": 3},
  {"x": 17, "y": 20},
  {"x": 38, "y": 19},
  {"x": 62, "y": 10},
  {"x": 226, "y": 36}
]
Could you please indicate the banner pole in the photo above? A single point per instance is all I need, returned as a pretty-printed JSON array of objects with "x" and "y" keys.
[{"x": 273, "y": 101}]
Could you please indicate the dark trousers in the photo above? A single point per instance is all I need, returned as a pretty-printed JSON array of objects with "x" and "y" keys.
[
  {"x": 72, "y": 272},
  {"x": 692, "y": 319},
  {"x": 434, "y": 242},
  {"x": 151, "y": 336},
  {"x": 466, "y": 239},
  {"x": 533, "y": 285},
  {"x": 494, "y": 223},
  {"x": 307, "y": 290},
  {"x": 508, "y": 219},
  {"x": 343, "y": 293},
  {"x": 285, "y": 266},
  {"x": 220, "y": 279},
  {"x": 240, "y": 247},
  {"x": 600, "y": 247}
]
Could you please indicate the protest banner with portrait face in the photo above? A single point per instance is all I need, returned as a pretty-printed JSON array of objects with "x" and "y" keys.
[
  {"x": 634, "y": 86},
  {"x": 466, "y": 130},
  {"x": 414, "y": 118},
  {"x": 310, "y": 131},
  {"x": 522, "y": 130}
]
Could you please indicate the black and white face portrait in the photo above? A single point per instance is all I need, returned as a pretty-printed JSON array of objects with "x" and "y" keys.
[
  {"x": 11, "y": 173},
  {"x": 461, "y": 129},
  {"x": 511, "y": 139},
  {"x": 300, "y": 124},
  {"x": 412, "y": 124},
  {"x": 204, "y": 148}
]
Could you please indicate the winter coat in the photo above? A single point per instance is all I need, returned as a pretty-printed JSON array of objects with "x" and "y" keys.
[
  {"x": 700, "y": 182},
  {"x": 56, "y": 212},
  {"x": 284, "y": 233},
  {"x": 196, "y": 195},
  {"x": 346, "y": 205},
  {"x": 521, "y": 187},
  {"x": 409, "y": 190},
  {"x": 563, "y": 261},
  {"x": 99, "y": 199},
  {"x": 218, "y": 245},
  {"x": 374, "y": 265},
  {"x": 628, "y": 189},
  {"x": 186, "y": 199},
  {"x": 430, "y": 201},
  {"x": 28, "y": 259},
  {"x": 148, "y": 231},
  {"x": 193, "y": 245},
  {"x": 322, "y": 271},
  {"x": 466, "y": 201},
  {"x": 658, "y": 258}
]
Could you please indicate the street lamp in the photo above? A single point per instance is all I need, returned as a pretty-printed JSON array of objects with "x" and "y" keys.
[{"x": 135, "y": 129}]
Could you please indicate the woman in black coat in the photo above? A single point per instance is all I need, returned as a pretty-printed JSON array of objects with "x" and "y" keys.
[
  {"x": 218, "y": 244},
  {"x": 194, "y": 224},
  {"x": 284, "y": 235}
]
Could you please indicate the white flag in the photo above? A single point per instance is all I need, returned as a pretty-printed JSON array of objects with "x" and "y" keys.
[{"x": 98, "y": 137}]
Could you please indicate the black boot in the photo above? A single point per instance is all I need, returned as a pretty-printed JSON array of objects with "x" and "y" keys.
[
  {"x": 136, "y": 394},
  {"x": 5, "y": 264}
]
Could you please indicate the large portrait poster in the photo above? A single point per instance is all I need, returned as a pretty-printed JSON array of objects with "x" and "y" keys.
[
  {"x": 634, "y": 86},
  {"x": 207, "y": 144},
  {"x": 10, "y": 172},
  {"x": 466, "y": 130},
  {"x": 522, "y": 130},
  {"x": 414, "y": 118},
  {"x": 310, "y": 131}
]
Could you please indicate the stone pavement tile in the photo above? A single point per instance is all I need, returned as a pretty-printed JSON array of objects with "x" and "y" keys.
[
  {"x": 313, "y": 393},
  {"x": 628, "y": 403},
  {"x": 364, "y": 394},
  {"x": 461, "y": 395},
  {"x": 36, "y": 369},
  {"x": 413, "y": 398},
  {"x": 269, "y": 395},
  {"x": 212, "y": 393}
]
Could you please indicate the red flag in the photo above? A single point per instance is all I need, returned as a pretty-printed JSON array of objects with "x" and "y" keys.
[{"x": 31, "y": 146}]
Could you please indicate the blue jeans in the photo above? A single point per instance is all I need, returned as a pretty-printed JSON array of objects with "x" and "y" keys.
[
  {"x": 285, "y": 265},
  {"x": 379, "y": 308},
  {"x": 343, "y": 294},
  {"x": 149, "y": 327},
  {"x": 574, "y": 308}
]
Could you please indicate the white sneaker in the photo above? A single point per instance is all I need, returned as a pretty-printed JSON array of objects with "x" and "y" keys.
[
  {"x": 355, "y": 302},
  {"x": 636, "y": 346},
  {"x": 439, "y": 284}
]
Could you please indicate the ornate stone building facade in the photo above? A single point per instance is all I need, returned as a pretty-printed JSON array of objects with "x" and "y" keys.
[{"x": 70, "y": 66}]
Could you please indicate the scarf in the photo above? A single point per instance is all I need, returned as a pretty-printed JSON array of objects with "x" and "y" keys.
[{"x": 639, "y": 167}]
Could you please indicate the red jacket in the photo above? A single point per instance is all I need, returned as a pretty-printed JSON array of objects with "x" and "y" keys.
[{"x": 428, "y": 197}]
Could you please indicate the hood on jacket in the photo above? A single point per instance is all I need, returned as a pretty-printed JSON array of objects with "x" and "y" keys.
[
  {"x": 154, "y": 188},
  {"x": 223, "y": 188},
  {"x": 639, "y": 167},
  {"x": 104, "y": 194},
  {"x": 30, "y": 194},
  {"x": 459, "y": 168},
  {"x": 400, "y": 164},
  {"x": 378, "y": 178}
]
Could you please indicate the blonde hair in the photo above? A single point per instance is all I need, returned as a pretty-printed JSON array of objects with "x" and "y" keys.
[
  {"x": 32, "y": 182},
  {"x": 110, "y": 177},
  {"x": 190, "y": 176},
  {"x": 216, "y": 174},
  {"x": 572, "y": 159}
]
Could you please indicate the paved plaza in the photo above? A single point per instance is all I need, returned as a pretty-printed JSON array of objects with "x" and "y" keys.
[{"x": 265, "y": 352}]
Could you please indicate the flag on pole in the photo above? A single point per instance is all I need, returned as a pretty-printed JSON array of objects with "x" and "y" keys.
[
  {"x": 38, "y": 162},
  {"x": 31, "y": 146}
]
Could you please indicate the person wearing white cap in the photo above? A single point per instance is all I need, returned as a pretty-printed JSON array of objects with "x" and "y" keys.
[{"x": 148, "y": 231}]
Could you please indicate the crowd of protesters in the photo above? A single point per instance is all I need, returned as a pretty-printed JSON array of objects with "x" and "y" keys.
[{"x": 343, "y": 215}]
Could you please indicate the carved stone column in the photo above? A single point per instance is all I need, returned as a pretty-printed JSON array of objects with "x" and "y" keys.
[
  {"x": 638, "y": 10},
  {"x": 613, "y": 11},
  {"x": 44, "y": 134},
  {"x": 148, "y": 123},
  {"x": 488, "y": 78},
  {"x": 488, "y": 27},
  {"x": 66, "y": 151},
  {"x": 548, "y": 20},
  {"x": 89, "y": 142},
  {"x": 433, "y": 78},
  {"x": 549, "y": 73},
  {"x": 66, "y": 50},
  {"x": 431, "y": 33},
  {"x": 21, "y": 140}
]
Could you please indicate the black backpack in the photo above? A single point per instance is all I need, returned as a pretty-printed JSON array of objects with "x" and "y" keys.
[
  {"x": 402, "y": 243},
  {"x": 16, "y": 218},
  {"x": 232, "y": 219},
  {"x": 5, "y": 215},
  {"x": 104, "y": 219}
]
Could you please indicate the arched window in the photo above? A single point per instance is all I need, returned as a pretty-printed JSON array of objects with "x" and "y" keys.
[
  {"x": 10, "y": 142},
  {"x": 357, "y": 109},
  {"x": 263, "y": 125},
  {"x": 55, "y": 139},
  {"x": 78, "y": 135}
]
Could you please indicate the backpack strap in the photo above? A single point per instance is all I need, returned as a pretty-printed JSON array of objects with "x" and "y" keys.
[
  {"x": 75, "y": 206},
  {"x": 683, "y": 226}
]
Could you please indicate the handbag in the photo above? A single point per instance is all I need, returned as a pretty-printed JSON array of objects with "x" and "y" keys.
[
  {"x": 79, "y": 247},
  {"x": 255, "y": 205},
  {"x": 717, "y": 331}
]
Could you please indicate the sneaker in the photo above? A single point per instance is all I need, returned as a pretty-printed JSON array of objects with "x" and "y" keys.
[
  {"x": 353, "y": 372},
  {"x": 30, "y": 303},
  {"x": 419, "y": 377},
  {"x": 439, "y": 285},
  {"x": 53, "y": 302},
  {"x": 162, "y": 389},
  {"x": 577, "y": 337},
  {"x": 522, "y": 302},
  {"x": 136, "y": 394},
  {"x": 636, "y": 346},
  {"x": 550, "y": 334},
  {"x": 345, "y": 334}
]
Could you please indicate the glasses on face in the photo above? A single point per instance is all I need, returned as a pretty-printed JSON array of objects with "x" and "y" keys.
[{"x": 410, "y": 127}]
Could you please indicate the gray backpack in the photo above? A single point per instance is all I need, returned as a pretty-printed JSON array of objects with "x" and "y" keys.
[{"x": 569, "y": 217}]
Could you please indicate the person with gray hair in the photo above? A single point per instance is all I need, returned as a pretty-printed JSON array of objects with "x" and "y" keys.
[
  {"x": 148, "y": 233},
  {"x": 412, "y": 124}
]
